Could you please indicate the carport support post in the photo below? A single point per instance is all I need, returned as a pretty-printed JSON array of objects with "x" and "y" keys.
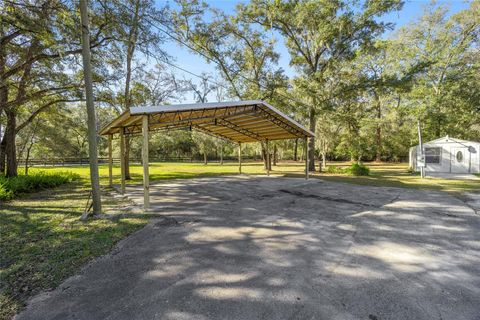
[
  {"x": 122, "y": 160},
  {"x": 146, "y": 181},
  {"x": 306, "y": 158},
  {"x": 268, "y": 157},
  {"x": 240, "y": 157},
  {"x": 110, "y": 161}
]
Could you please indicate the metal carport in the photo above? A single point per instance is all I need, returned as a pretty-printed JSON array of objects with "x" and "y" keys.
[{"x": 237, "y": 121}]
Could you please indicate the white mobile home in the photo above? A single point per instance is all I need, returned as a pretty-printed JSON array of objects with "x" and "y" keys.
[{"x": 448, "y": 155}]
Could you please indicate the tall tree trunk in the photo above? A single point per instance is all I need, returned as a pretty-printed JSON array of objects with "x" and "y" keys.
[
  {"x": 323, "y": 165},
  {"x": 275, "y": 153},
  {"x": 29, "y": 148},
  {"x": 221, "y": 155},
  {"x": 3, "y": 156},
  {"x": 378, "y": 133},
  {"x": 311, "y": 140},
  {"x": 295, "y": 151},
  {"x": 378, "y": 138},
  {"x": 205, "y": 158},
  {"x": 91, "y": 118},
  {"x": 264, "y": 155},
  {"x": 10, "y": 112},
  {"x": 27, "y": 157},
  {"x": 324, "y": 161},
  {"x": 10, "y": 147},
  {"x": 132, "y": 42},
  {"x": 3, "y": 102}
]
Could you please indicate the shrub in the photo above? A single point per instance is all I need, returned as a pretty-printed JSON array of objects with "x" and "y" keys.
[
  {"x": 11, "y": 187},
  {"x": 354, "y": 170},
  {"x": 358, "y": 169}
]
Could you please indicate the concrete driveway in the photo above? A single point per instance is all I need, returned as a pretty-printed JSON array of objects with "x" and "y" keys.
[{"x": 280, "y": 248}]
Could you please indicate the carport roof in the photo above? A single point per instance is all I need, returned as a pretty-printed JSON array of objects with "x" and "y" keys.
[{"x": 237, "y": 121}]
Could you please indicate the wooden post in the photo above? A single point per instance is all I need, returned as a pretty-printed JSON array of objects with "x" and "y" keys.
[
  {"x": 306, "y": 158},
  {"x": 268, "y": 157},
  {"x": 146, "y": 181},
  {"x": 110, "y": 161},
  {"x": 122, "y": 159},
  {"x": 240, "y": 157}
]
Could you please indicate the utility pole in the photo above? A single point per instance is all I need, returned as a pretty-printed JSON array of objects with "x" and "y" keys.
[
  {"x": 92, "y": 131},
  {"x": 422, "y": 154}
]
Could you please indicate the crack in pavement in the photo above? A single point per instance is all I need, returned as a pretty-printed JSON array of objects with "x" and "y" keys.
[{"x": 328, "y": 198}]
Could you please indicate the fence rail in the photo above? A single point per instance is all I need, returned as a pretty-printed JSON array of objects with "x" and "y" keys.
[
  {"x": 65, "y": 162},
  {"x": 104, "y": 160}
]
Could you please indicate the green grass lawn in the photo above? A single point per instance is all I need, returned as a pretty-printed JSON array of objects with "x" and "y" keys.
[
  {"x": 43, "y": 241},
  {"x": 168, "y": 170},
  {"x": 397, "y": 175},
  {"x": 381, "y": 174}
]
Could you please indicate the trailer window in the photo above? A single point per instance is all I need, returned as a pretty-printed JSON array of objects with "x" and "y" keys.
[
  {"x": 459, "y": 156},
  {"x": 433, "y": 155}
]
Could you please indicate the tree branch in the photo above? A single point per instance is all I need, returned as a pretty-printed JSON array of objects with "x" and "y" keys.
[{"x": 40, "y": 110}]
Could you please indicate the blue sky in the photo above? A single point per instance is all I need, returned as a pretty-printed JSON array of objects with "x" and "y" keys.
[{"x": 196, "y": 64}]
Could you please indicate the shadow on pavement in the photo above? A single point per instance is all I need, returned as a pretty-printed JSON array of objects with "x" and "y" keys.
[{"x": 283, "y": 248}]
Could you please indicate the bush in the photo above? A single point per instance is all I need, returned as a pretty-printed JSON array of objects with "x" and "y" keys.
[
  {"x": 354, "y": 170},
  {"x": 11, "y": 187},
  {"x": 358, "y": 169}
]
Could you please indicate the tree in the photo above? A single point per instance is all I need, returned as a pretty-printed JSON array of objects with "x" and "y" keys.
[
  {"x": 62, "y": 132},
  {"x": 38, "y": 66},
  {"x": 134, "y": 33},
  {"x": 200, "y": 93},
  {"x": 29, "y": 140},
  {"x": 202, "y": 89},
  {"x": 157, "y": 86},
  {"x": 90, "y": 108},
  {"x": 328, "y": 130},
  {"x": 245, "y": 57},
  {"x": 382, "y": 75},
  {"x": 446, "y": 94},
  {"x": 320, "y": 35}
]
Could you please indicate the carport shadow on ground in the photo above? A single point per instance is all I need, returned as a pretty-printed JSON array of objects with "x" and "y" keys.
[{"x": 283, "y": 248}]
